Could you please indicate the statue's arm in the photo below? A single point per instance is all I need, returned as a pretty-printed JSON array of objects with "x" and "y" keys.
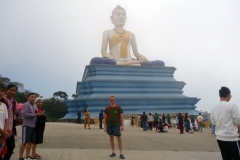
[
  {"x": 135, "y": 49},
  {"x": 104, "y": 46}
]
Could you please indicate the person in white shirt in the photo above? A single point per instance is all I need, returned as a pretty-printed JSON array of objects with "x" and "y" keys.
[
  {"x": 200, "y": 122},
  {"x": 3, "y": 119},
  {"x": 226, "y": 117}
]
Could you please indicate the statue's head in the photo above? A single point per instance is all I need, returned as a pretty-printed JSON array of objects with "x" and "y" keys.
[{"x": 118, "y": 16}]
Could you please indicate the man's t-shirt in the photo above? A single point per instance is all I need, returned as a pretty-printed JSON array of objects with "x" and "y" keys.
[
  {"x": 163, "y": 119},
  {"x": 114, "y": 119},
  {"x": 3, "y": 115},
  {"x": 200, "y": 118},
  {"x": 155, "y": 117}
]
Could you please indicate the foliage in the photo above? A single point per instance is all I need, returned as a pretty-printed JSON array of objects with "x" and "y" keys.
[
  {"x": 21, "y": 95},
  {"x": 74, "y": 95},
  {"x": 54, "y": 108},
  {"x": 60, "y": 95}
]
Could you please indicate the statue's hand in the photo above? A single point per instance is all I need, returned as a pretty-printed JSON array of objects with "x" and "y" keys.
[{"x": 141, "y": 57}]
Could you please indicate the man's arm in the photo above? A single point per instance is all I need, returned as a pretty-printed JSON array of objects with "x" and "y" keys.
[
  {"x": 122, "y": 122},
  {"x": 235, "y": 115},
  {"x": 212, "y": 119},
  {"x": 105, "y": 122},
  {"x": 27, "y": 114},
  {"x": 6, "y": 125}
]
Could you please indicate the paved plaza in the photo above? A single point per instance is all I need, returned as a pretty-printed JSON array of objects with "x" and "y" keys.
[{"x": 72, "y": 142}]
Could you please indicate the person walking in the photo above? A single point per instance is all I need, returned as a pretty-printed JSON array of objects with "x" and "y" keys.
[
  {"x": 138, "y": 120},
  {"x": 180, "y": 120},
  {"x": 144, "y": 121},
  {"x": 12, "y": 107},
  {"x": 114, "y": 124},
  {"x": 156, "y": 121},
  {"x": 200, "y": 122},
  {"x": 87, "y": 119},
  {"x": 78, "y": 117},
  {"x": 100, "y": 119},
  {"x": 150, "y": 121},
  {"x": 29, "y": 114},
  {"x": 226, "y": 117}
]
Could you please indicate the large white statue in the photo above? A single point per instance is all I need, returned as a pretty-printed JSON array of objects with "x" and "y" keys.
[{"x": 120, "y": 41}]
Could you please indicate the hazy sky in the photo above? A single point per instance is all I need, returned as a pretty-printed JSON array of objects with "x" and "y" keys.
[{"x": 46, "y": 44}]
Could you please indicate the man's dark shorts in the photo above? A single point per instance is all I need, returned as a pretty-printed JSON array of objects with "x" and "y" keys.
[
  {"x": 28, "y": 135},
  {"x": 114, "y": 130}
]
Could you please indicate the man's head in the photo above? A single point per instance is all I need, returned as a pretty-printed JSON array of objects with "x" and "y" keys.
[
  {"x": 143, "y": 112},
  {"x": 118, "y": 16},
  {"x": 199, "y": 113},
  {"x": 11, "y": 90},
  {"x": 101, "y": 111},
  {"x": 180, "y": 114},
  {"x": 112, "y": 100},
  {"x": 31, "y": 97},
  {"x": 225, "y": 94},
  {"x": 2, "y": 90}
]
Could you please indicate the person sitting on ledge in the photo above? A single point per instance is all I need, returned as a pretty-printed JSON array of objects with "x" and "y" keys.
[{"x": 120, "y": 41}]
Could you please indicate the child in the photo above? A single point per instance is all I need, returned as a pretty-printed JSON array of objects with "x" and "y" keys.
[
  {"x": 194, "y": 127},
  {"x": 3, "y": 118}
]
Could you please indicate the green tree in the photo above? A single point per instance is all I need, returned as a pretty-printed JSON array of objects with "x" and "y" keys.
[
  {"x": 5, "y": 80},
  {"x": 74, "y": 95},
  {"x": 54, "y": 108},
  {"x": 60, "y": 95}
]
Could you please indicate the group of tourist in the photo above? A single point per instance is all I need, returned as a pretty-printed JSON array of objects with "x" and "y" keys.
[
  {"x": 162, "y": 122},
  {"x": 32, "y": 128}
]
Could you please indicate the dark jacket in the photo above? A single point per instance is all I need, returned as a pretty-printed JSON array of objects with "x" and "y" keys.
[
  {"x": 163, "y": 119},
  {"x": 101, "y": 116},
  {"x": 144, "y": 117},
  {"x": 180, "y": 119},
  {"x": 79, "y": 114},
  {"x": 40, "y": 127}
]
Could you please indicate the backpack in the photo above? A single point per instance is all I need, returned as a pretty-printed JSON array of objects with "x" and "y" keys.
[{"x": 108, "y": 114}]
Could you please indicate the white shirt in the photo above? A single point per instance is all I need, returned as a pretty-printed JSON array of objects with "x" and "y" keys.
[
  {"x": 200, "y": 118},
  {"x": 226, "y": 117},
  {"x": 3, "y": 115},
  {"x": 150, "y": 118}
]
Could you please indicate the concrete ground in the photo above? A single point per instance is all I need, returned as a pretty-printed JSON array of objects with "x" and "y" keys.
[{"x": 72, "y": 142}]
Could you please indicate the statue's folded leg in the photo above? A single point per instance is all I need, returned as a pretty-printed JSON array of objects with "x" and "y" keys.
[
  {"x": 99, "y": 60},
  {"x": 153, "y": 63}
]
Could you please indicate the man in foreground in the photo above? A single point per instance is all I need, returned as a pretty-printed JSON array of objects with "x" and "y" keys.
[
  {"x": 29, "y": 114},
  {"x": 113, "y": 124},
  {"x": 226, "y": 117}
]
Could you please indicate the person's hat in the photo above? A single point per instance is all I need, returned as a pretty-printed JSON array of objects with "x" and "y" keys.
[{"x": 37, "y": 99}]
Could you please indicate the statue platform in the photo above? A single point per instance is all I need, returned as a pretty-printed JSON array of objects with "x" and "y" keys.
[{"x": 136, "y": 88}]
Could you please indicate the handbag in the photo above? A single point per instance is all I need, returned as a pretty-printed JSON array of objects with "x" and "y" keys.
[{"x": 4, "y": 149}]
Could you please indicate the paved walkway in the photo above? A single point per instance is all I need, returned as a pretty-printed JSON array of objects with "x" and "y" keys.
[{"x": 73, "y": 142}]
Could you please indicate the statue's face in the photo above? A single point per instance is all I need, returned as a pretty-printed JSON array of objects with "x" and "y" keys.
[{"x": 119, "y": 17}]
